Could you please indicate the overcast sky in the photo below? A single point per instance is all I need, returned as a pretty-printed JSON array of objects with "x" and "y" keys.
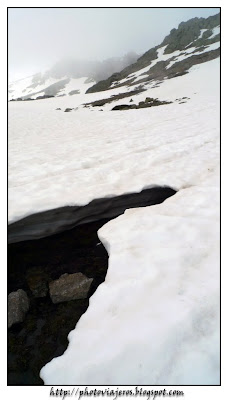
[{"x": 39, "y": 37}]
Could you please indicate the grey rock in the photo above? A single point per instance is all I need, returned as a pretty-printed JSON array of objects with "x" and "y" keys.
[
  {"x": 18, "y": 305},
  {"x": 69, "y": 287},
  {"x": 148, "y": 100}
]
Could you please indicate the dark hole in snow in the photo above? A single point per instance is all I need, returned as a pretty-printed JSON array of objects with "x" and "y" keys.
[{"x": 34, "y": 263}]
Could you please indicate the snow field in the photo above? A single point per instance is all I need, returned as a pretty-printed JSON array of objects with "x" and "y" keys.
[
  {"x": 155, "y": 319},
  {"x": 102, "y": 153}
]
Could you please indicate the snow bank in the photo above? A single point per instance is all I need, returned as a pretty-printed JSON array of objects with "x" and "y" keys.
[{"x": 155, "y": 319}]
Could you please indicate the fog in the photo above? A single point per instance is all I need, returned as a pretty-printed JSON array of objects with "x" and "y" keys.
[{"x": 38, "y": 38}]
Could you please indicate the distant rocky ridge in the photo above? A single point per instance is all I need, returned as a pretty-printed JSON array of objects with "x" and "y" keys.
[
  {"x": 95, "y": 70},
  {"x": 196, "y": 33},
  {"x": 193, "y": 42},
  {"x": 54, "y": 81}
]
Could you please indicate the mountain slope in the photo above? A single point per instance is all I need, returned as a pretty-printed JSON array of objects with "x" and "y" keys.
[
  {"x": 155, "y": 318},
  {"x": 79, "y": 75},
  {"x": 40, "y": 87},
  {"x": 194, "y": 42}
]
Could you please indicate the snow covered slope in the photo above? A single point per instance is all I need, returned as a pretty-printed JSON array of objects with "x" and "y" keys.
[
  {"x": 155, "y": 319},
  {"x": 38, "y": 86},
  {"x": 94, "y": 154}
]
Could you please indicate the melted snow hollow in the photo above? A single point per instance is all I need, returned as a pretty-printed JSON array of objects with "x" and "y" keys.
[{"x": 155, "y": 318}]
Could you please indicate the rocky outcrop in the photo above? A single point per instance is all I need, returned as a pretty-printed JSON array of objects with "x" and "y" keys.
[
  {"x": 189, "y": 31},
  {"x": 70, "y": 287},
  {"x": 49, "y": 91},
  {"x": 149, "y": 102},
  {"x": 120, "y": 107},
  {"x": 178, "y": 39},
  {"x": 18, "y": 305},
  {"x": 100, "y": 103}
]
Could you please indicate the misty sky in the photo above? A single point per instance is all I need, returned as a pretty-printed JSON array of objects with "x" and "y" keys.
[{"x": 39, "y": 37}]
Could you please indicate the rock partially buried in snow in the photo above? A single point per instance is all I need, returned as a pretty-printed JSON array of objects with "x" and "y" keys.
[
  {"x": 18, "y": 305},
  {"x": 149, "y": 102},
  {"x": 70, "y": 287}
]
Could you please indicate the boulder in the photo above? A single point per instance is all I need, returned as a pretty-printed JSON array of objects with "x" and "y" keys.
[
  {"x": 69, "y": 287},
  {"x": 18, "y": 305},
  {"x": 68, "y": 109}
]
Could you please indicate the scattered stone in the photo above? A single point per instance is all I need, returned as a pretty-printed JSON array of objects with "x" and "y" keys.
[
  {"x": 69, "y": 287},
  {"x": 68, "y": 109},
  {"x": 18, "y": 305}
]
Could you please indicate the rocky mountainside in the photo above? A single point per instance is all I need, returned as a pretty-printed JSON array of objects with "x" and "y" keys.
[
  {"x": 67, "y": 77},
  {"x": 194, "y": 42},
  {"x": 44, "y": 86}
]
